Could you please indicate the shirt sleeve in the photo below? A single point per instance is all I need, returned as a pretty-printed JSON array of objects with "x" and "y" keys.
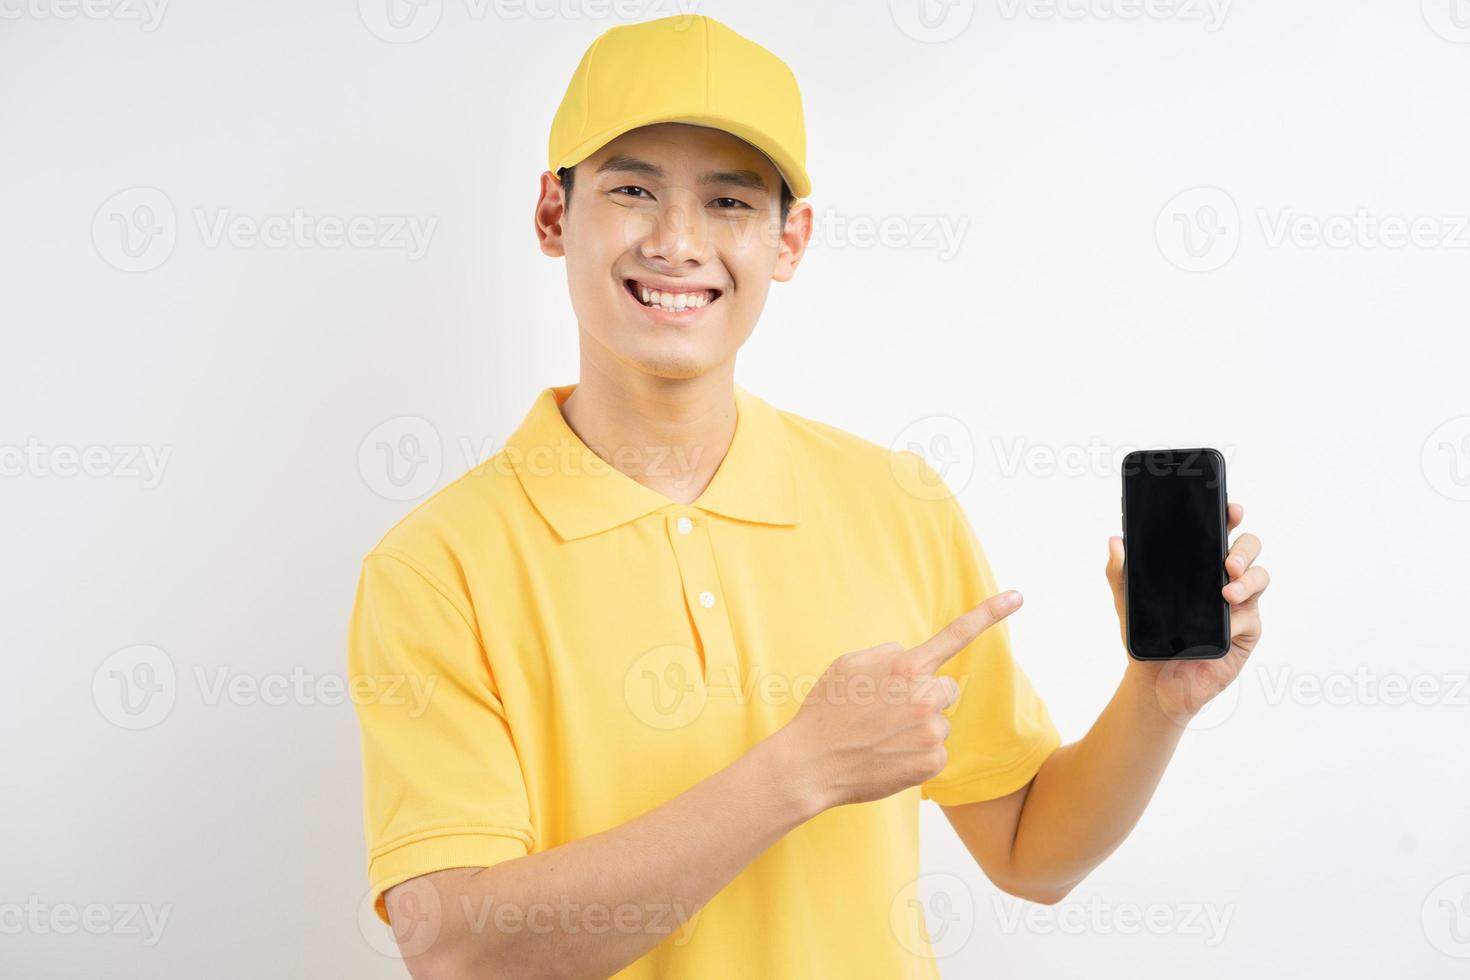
[
  {"x": 442, "y": 784},
  {"x": 1000, "y": 729}
]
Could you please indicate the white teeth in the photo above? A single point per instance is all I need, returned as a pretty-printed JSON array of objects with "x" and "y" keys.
[{"x": 673, "y": 302}]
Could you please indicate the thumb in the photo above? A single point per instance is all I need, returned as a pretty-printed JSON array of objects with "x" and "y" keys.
[{"x": 1115, "y": 568}]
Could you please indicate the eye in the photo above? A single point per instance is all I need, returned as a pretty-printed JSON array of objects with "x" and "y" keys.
[
  {"x": 735, "y": 201},
  {"x": 630, "y": 187}
]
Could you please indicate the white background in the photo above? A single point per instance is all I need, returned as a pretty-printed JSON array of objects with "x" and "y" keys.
[{"x": 1080, "y": 308}]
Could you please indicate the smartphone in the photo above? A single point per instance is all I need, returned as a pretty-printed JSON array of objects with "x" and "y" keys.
[{"x": 1174, "y": 539}]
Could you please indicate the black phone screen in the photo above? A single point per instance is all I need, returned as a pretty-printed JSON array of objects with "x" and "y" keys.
[{"x": 1174, "y": 557}]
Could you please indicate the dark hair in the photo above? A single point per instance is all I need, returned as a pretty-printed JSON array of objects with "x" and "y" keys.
[{"x": 566, "y": 174}]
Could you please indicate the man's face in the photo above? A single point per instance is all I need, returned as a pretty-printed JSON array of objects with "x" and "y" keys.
[{"x": 689, "y": 213}]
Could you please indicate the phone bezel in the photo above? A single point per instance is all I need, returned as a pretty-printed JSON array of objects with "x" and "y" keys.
[{"x": 1219, "y": 460}]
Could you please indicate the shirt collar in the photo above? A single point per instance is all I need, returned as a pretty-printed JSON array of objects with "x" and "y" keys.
[{"x": 579, "y": 494}]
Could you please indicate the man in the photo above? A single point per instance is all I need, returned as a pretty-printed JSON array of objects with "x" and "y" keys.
[{"x": 696, "y": 660}]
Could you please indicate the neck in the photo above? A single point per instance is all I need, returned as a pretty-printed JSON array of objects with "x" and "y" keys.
[{"x": 669, "y": 434}]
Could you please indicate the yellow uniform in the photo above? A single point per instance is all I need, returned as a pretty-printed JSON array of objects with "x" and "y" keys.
[{"x": 592, "y": 648}]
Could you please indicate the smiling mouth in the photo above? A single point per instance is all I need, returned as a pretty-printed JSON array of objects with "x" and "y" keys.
[{"x": 671, "y": 302}]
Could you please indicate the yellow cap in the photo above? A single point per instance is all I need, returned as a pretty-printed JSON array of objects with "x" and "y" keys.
[{"x": 686, "y": 68}]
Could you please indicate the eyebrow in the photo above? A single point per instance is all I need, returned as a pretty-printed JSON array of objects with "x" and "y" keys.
[{"x": 740, "y": 178}]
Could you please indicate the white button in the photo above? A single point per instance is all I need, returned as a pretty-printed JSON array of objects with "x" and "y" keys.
[
  {"x": 706, "y": 599},
  {"x": 685, "y": 525}
]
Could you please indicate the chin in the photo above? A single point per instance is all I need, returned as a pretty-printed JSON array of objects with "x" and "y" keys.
[{"x": 671, "y": 366}]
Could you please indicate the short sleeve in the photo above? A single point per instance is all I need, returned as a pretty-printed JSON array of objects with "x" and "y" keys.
[
  {"x": 442, "y": 784},
  {"x": 1000, "y": 729}
]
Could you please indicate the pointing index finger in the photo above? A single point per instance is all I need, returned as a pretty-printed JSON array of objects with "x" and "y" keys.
[{"x": 960, "y": 632}]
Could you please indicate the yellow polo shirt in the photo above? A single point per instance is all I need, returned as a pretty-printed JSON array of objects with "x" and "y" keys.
[{"x": 590, "y": 648}]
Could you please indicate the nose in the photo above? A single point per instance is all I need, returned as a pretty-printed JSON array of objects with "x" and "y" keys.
[{"x": 678, "y": 232}]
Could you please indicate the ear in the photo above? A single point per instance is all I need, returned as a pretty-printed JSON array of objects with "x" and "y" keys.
[
  {"x": 794, "y": 238},
  {"x": 551, "y": 209}
]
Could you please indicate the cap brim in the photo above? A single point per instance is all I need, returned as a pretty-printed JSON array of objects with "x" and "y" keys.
[{"x": 790, "y": 171}]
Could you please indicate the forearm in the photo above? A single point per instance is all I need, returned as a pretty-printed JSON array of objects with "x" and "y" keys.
[
  {"x": 592, "y": 906},
  {"x": 1088, "y": 795}
]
